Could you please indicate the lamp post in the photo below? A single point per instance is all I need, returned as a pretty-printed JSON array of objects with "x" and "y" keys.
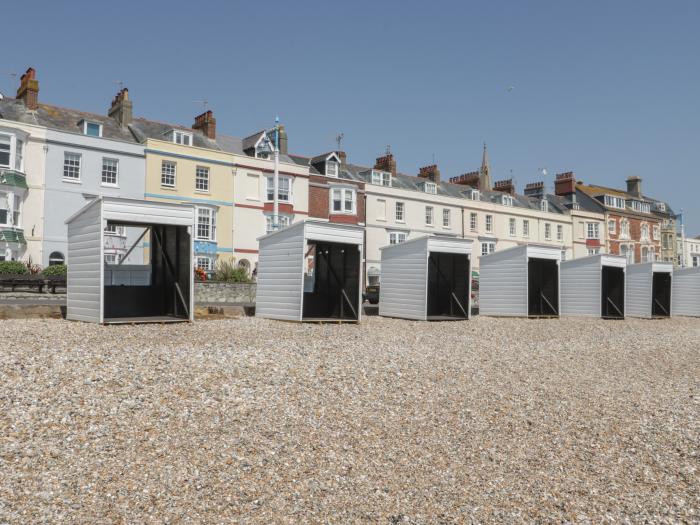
[{"x": 276, "y": 204}]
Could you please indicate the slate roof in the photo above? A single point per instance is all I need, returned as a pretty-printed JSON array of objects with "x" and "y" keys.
[
  {"x": 143, "y": 129},
  {"x": 593, "y": 191}
]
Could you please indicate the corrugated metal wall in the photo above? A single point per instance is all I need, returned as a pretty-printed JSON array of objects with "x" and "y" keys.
[
  {"x": 402, "y": 292},
  {"x": 280, "y": 274},
  {"x": 132, "y": 211},
  {"x": 685, "y": 298},
  {"x": 638, "y": 290},
  {"x": 503, "y": 283},
  {"x": 85, "y": 266},
  {"x": 581, "y": 287}
]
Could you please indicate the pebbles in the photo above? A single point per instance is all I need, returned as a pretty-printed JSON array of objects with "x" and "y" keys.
[{"x": 391, "y": 421}]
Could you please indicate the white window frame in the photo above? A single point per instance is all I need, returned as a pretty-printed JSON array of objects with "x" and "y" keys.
[
  {"x": 526, "y": 228},
  {"x": 656, "y": 232},
  {"x": 544, "y": 205},
  {"x": 283, "y": 220},
  {"x": 283, "y": 195},
  {"x": 612, "y": 226},
  {"x": 547, "y": 231},
  {"x": 429, "y": 216},
  {"x": 446, "y": 217},
  {"x": 202, "y": 178},
  {"x": 113, "y": 229},
  {"x": 592, "y": 230},
  {"x": 114, "y": 184},
  {"x": 593, "y": 251},
  {"x": 506, "y": 200},
  {"x": 488, "y": 247},
  {"x": 474, "y": 195},
  {"x": 560, "y": 232},
  {"x": 86, "y": 123},
  {"x": 381, "y": 204},
  {"x": 210, "y": 212},
  {"x": 163, "y": 174},
  {"x": 381, "y": 178},
  {"x": 397, "y": 237},
  {"x": 16, "y": 152},
  {"x": 9, "y": 219},
  {"x": 335, "y": 172},
  {"x": 512, "y": 227},
  {"x": 208, "y": 267},
  {"x": 79, "y": 158},
  {"x": 624, "y": 229},
  {"x": 400, "y": 216},
  {"x": 430, "y": 187},
  {"x": 488, "y": 221},
  {"x": 179, "y": 137},
  {"x": 473, "y": 221},
  {"x": 343, "y": 192},
  {"x": 614, "y": 202}
]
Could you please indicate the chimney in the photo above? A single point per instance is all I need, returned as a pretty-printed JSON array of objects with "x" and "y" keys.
[
  {"x": 343, "y": 157},
  {"x": 206, "y": 123},
  {"x": 122, "y": 108},
  {"x": 565, "y": 184},
  {"x": 28, "y": 91},
  {"x": 431, "y": 173},
  {"x": 506, "y": 186},
  {"x": 634, "y": 186},
  {"x": 535, "y": 189},
  {"x": 386, "y": 163},
  {"x": 283, "y": 140},
  {"x": 466, "y": 179}
]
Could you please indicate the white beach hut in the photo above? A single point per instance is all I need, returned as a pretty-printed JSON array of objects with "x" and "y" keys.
[
  {"x": 648, "y": 291},
  {"x": 427, "y": 278},
  {"x": 311, "y": 271},
  {"x": 594, "y": 286},
  {"x": 159, "y": 290},
  {"x": 686, "y": 292},
  {"x": 520, "y": 281}
]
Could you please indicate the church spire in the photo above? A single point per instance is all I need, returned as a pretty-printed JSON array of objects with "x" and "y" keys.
[{"x": 485, "y": 172}]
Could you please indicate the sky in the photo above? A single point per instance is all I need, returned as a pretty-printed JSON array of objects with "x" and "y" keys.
[{"x": 605, "y": 89}]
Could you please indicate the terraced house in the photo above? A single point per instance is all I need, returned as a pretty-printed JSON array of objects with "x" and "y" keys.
[{"x": 71, "y": 157}]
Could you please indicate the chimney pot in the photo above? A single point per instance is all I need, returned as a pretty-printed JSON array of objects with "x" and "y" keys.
[
  {"x": 534, "y": 189},
  {"x": 431, "y": 172},
  {"x": 565, "y": 183},
  {"x": 466, "y": 179},
  {"x": 634, "y": 186},
  {"x": 122, "y": 108},
  {"x": 386, "y": 163},
  {"x": 28, "y": 91},
  {"x": 206, "y": 123},
  {"x": 506, "y": 186}
]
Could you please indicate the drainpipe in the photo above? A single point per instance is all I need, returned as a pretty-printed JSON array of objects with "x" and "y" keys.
[
  {"x": 364, "y": 247},
  {"x": 462, "y": 210}
]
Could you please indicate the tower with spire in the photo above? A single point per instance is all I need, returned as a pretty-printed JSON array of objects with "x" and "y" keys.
[{"x": 485, "y": 172}]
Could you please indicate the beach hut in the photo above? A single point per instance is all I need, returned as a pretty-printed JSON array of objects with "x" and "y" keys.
[
  {"x": 159, "y": 290},
  {"x": 520, "y": 281},
  {"x": 648, "y": 291},
  {"x": 311, "y": 271},
  {"x": 426, "y": 278},
  {"x": 686, "y": 292},
  {"x": 594, "y": 286}
]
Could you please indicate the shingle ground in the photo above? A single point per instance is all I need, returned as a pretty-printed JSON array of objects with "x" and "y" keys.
[{"x": 392, "y": 421}]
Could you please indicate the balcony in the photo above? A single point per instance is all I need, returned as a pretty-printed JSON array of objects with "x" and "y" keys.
[
  {"x": 10, "y": 234},
  {"x": 14, "y": 178}
]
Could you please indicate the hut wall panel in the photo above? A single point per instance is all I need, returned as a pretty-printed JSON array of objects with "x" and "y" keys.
[
  {"x": 581, "y": 287},
  {"x": 402, "y": 292},
  {"x": 638, "y": 291},
  {"x": 85, "y": 266},
  {"x": 503, "y": 284},
  {"x": 685, "y": 297}
]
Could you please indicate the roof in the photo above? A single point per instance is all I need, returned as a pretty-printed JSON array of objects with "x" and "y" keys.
[
  {"x": 593, "y": 190},
  {"x": 62, "y": 119},
  {"x": 13, "y": 178},
  {"x": 150, "y": 129},
  {"x": 9, "y": 235}
]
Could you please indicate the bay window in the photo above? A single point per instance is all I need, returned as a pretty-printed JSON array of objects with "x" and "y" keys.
[{"x": 11, "y": 152}]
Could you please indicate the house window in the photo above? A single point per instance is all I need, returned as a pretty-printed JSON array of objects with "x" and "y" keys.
[
  {"x": 489, "y": 223},
  {"x": 507, "y": 200},
  {"x": 474, "y": 195},
  {"x": 343, "y": 200},
  {"x": 284, "y": 190},
  {"x": 381, "y": 178},
  {"x": 331, "y": 168},
  {"x": 206, "y": 224},
  {"x": 645, "y": 232},
  {"x": 11, "y": 156},
  {"x": 643, "y": 207},
  {"x": 167, "y": 174},
  {"x": 201, "y": 179},
  {"x": 612, "y": 226},
  {"x": 615, "y": 202},
  {"x": 16, "y": 211},
  {"x": 593, "y": 251},
  {"x": 592, "y": 230},
  {"x": 624, "y": 229},
  {"x": 544, "y": 205},
  {"x": 71, "y": 166},
  {"x": 446, "y": 218},
  {"x": 113, "y": 229},
  {"x": 56, "y": 258},
  {"x": 548, "y": 231},
  {"x": 110, "y": 167},
  {"x": 560, "y": 232},
  {"x": 19, "y": 155},
  {"x": 204, "y": 263},
  {"x": 645, "y": 254},
  {"x": 430, "y": 187},
  {"x": 511, "y": 227},
  {"x": 397, "y": 237},
  {"x": 5, "y": 150},
  {"x": 111, "y": 258},
  {"x": 399, "y": 212},
  {"x": 696, "y": 261},
  {"x": 656, "y": 233},
  {"x": 93, "y": 129},
  {"x": 4, "y": 210},
  {"x": 181, "y": 137},
  {"x": 473, "y": 221},
  {"x": 429, "y": 215},
  {"x": 526, "y": 228},
  {"x": 488, "y": 247},
  {"x": 282, "y": 222}
]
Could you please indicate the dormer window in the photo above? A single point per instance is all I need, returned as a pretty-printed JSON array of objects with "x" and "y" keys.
[
  {"x": 661, "y": 206},
  {"x": 474, "y": 195},
  {"x": 381, "y": 178},
  {"x": 506, "y": 200},
  {"x": 642, "y": 207},
  {"x": 615, "y": 202},
  {"x": 182, "y": 137},
  {"x": 429, "y": 187},
  {"x": 92, "y": 129},
  {"x": 544, "y": 205},
  {"x": 331, "y": 168}
]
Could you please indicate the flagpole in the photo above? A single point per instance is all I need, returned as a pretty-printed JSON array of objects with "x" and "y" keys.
[{"x": 276, "y": 206}]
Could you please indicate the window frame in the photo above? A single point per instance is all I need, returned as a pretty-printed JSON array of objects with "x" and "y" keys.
[
  {"x": 402, "y": 205},
  {"x": 211, "y": 225},
  {"x": 560, "y": 232},
  {"x": 446, "y": 218},
  {"x": 182, "y": 134},
  {"x": 383, "y": 178},
  {"x": 198, "y": 179},
  {"x": 526, "y": 228},
  {"x": 15, "y": 159},
  {"x": 333, "y": 173},
  {"x": 429, "y": 187},
  {"x": 283, "y": 219},
  {"x": 396, "y": 235},
  {"x": 270, "y": 188},
  {"x": 210, "y": 263},
  {"x": 173, "y": 164},
  {"x": 429, "y": 216},
  {"x": 488, "y": 247},
  {"x": 87, "y": 123},
  {"x": 343, "y": 190},
  {"x": 512, "y": 227},
  {"x": 79, "y": 156},
  {"x": 114, "y": 184},
  {"x": 488, "y": 223},
  {"x": 473, "y": 221},
  {"x": 547, "y": 231}
]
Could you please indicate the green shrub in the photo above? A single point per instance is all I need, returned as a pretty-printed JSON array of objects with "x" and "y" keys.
[
  {"x": 56, "y": 270},
  {"x": 13, "y": 268},
  {"x": 227, "y": 271}
]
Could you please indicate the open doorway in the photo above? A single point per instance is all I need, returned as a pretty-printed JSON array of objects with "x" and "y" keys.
[
  {"x": 148, "y": 279},
  {"x": 331, "y": 282},
  {"x": 661, "y": 295},
  {"x": 448, "y": 286},
  {"x": 613, "y": 293},
  {"x": 543, "y": 287}
]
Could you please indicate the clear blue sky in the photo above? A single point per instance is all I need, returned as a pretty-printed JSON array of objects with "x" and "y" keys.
[{"x": 606, "y": 89}]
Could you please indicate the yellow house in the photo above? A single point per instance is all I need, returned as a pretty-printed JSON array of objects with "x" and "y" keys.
[{"x": 187, "y": 166}]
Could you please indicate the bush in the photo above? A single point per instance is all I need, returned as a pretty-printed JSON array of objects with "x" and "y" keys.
[
  {"x": 13, "y": 268},
  {"x": 227, "y": 271},
  {"x": 57, "y": 270}
]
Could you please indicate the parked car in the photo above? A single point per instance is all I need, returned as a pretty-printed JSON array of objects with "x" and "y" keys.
[{"x": 371, "y": 294}]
